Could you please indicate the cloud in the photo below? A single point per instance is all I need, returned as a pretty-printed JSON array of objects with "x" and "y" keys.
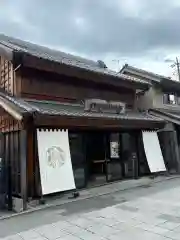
[{"x": 128, "y": 29}]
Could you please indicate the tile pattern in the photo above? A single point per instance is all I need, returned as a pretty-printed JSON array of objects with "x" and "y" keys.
[
  {"x": 42, "y": 52},
  {"x": 155, "y": 216},
  {"x": 77, "y": 110},
  {"x": 52, "y": 108}
]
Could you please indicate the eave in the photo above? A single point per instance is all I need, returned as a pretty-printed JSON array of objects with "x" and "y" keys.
[
  {"x": 173, "y": 117},
  {"x": 56, "y": 114},
  {"x": 6, "y": 52}
]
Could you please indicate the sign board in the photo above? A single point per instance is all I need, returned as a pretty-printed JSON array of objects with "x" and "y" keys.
[
  {"x": 56, "y": 172},
  {"x": 153, "y": 152},
  {"x": 114, "y": 149}
]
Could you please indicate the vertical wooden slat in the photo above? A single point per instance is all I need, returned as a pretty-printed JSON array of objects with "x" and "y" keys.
[
  {"x": 30, "y": 163},
  {"x": 12, "y": 161},
  {"x": 11, "y": 76},
  {"x": 6, "y": 75},
  {"x": 3, "y": 81},
  {"x": 3, "y": 175},
  {"x": 23, "y": 159},
  {"x": 10, "y": 126},
  {"x": 37, "y": 180},
  {"x": 18, "y": 163},
  {"x": 9, "y": 175}
]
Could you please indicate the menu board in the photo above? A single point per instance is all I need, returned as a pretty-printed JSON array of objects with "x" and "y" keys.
[{"x": 114, "y": 149}]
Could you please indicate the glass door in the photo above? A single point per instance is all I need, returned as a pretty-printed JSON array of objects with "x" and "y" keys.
[
  {"x": 129, "y": 155},
  {"x": 78, "y": 159},
  {"x": 113, "y": 157}
]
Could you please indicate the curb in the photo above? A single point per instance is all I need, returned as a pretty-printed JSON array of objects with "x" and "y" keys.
[{"x": 55, "y": 205}]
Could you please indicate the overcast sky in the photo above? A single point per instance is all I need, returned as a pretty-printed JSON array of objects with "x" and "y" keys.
[{"x": 142, "y": 33}]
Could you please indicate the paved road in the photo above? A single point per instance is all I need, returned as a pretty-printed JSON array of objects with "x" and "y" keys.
[{"x": 151, "y": 212}]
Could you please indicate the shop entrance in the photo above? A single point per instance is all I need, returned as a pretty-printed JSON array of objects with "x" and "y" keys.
[
  {"x": 88, "y": 156},
  {"x": 96, "y": 157},
  {"x": 99, "y": 157}
]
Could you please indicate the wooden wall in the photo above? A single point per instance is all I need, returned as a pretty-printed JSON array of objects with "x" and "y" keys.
[
  {"x": 12, "y": 155},
  {"x": 8, "y": 124},
  {"x": 7, "y": 83},
  {"x": 40, "y": 85},
  {"x": 10, "y": 129}
]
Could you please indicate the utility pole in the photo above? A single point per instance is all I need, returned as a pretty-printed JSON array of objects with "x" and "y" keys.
[
  {"x": 176, "y": 64},
  {"x": 178, "y": 69}
]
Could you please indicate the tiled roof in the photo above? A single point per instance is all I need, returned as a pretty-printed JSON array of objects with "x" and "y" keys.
[
  {"x": 159, "y": 78},
  {"x": 172, "y": 114},
  {"x": 77, "y": 110},
  {"x": 127, "y": 67},
  {"x": 54, "y": 108},
  {"x": 63, "y": 58},
  {"x": 21, "y": 105},
  {"x": 167, "y": 115}
]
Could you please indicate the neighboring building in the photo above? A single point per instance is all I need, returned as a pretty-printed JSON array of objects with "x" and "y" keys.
[
  {"x": 161, "y": 100},
  {"x": 44, "y": 89}
]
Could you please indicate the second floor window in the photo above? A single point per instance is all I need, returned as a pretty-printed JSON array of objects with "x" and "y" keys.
[
  {"x": 166, "y": 98},
  {"x": 171, "y": 99}
]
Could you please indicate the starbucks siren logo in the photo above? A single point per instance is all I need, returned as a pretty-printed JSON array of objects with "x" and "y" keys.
[{"x": 55, "y": 157}]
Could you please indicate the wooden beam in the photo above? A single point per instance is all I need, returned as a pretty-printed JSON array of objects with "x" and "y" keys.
[
  {"x": 9, "y": 109},
  {"x": 95, "y": 123}
]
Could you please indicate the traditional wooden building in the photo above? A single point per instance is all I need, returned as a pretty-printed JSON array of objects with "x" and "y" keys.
[
  {"x": 43, "y": 89},
  {"x": 161, "y": 100}
]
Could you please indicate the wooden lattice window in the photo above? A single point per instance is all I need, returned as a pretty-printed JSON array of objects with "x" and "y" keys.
[{"x": 6, "y": 75}]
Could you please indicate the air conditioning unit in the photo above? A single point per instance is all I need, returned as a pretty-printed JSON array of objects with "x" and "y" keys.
[
  {"x": 119, "y": 107},
  {"x": 100, "y": 105},
  {"x": 95, "y": 104}
]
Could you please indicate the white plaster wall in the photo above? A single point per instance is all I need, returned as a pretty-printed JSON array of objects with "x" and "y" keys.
[
  {"x": 157, "y": 98},
  {"x": 153, "y": 98},
  {"x": 146, "y": 101}
]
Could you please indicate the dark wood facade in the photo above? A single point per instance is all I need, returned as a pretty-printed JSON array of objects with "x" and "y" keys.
[
  {"x": 43, "y": 85},
  {"x": 27, "y": 77}
]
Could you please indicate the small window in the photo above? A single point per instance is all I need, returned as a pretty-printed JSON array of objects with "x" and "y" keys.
[
  {"x": 169, "y": 99},
  {"x": 172, "y": 99},
  {"x": 166, "y": 98}
]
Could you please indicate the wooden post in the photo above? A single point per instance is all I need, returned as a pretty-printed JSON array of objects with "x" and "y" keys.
[
  {"x": 9, "y": 173},
  {"x": 176, "y": 152},
  {"x": 170, "y": 150},
  {"x": 23, "y": 160}
]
